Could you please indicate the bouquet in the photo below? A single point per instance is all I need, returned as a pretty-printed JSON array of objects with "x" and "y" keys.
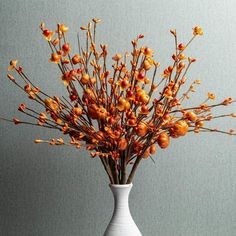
[{"x": 121, "y": 109}]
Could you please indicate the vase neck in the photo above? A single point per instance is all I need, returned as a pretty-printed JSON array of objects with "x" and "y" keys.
[{"x": 121, "y": 195}]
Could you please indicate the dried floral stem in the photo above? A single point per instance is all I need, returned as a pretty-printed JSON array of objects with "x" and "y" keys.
[{"x": 112, "y": 113}]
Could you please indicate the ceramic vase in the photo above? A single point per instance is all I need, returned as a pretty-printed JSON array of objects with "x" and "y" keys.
[{"x": 122, "y": 223}]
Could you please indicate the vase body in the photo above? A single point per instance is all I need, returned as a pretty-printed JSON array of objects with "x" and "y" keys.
[{"x": 121, "y": 223}]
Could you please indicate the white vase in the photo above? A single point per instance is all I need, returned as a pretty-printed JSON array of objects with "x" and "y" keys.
[{"x": 121, "y": 223}]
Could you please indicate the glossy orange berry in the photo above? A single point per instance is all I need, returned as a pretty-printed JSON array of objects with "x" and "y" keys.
[
  {"x": 50, "y": 103},
  {"x": 146, "y": 154},
  {"x": 180, "y": 128},
  {"x": 191, "y": 116},
  {"x": 144, "y": 110},
  {"x": 92, "y": 111},
  {"x": 132, "y": 122},
  {"x": 141, "y": 129},
  {"x": 153, "y": 149},
  {"x": 85, "y": 79},
  {"x": 197, "y": 30},
  {"x": 144, "y": 98},
  {"x": 163, "y": 140},
  {"x": 122, "y": 144},
  {"x": 147, "y": 65},
  {"x": 141, "y": 75},
  {"x": 199, "y": 124},
  {"x": 123, "y": 105},
  {"x": 147, "y": 52},
  {"x": 48, "y": 34},
  {"x": 55, "y": 58},
  {"x": 77, "y": 111},
  {"x": 181, "y": 47},
  {"x": 101, "y": 113},
  {"x": 76, "y": 59},
  {"x": 66, "y": 47}
]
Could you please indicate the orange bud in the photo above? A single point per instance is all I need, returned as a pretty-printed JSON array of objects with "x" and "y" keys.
[
  {"x": 117, "y": 57},
  {"x": 16, "y": 121},
  {"x": 173, "y": 32},
  {"x": 11, "y": 77},
  {"x": 13, "y": 64},
  {"x": 22, "y": 107},
  {"x": 38, "y": 141},
  {"x": 83, "y": 28},
  {"x": 211, "y": 96},
  {"x": 96, "y": 20}
]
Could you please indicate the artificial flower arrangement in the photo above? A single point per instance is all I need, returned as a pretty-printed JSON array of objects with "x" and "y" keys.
[{"x": 121, "y": 113}]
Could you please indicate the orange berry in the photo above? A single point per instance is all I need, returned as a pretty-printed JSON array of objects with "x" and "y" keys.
[
  {"x": 76, "y": 59},
  {"x": 147, "y": 51},
  {"x": 147, "y": 65},
  {"x": 197, "y": 30},
  {"x": 199, "y": 124},
  {"x": 153, "y": 149},
  {"x": 85, "y": 79},
  {"x": 181, "y": 47},
  {"x": 66, "y": 47},
  {"x": 122, "y": 144},
  {"x": 180, "y": 128},
  {"x": 77, "y": 111},
  {"x": 163, "y": 140},
  {"x": 146, "y": 154},
  {"x": 55, "y": 58},
  {"x": 191, "y": 116},
  {"x": 144, "y": 98},
  {"x": 141, "y": 129}
]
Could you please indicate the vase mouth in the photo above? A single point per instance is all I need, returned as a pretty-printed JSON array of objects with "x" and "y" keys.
[{"x": 121, "y": 185}]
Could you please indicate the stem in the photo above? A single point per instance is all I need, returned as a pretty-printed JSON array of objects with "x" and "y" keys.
[
  {"x": 135, "y": 166},
  {"x": 123, "y": 169},
  {"x": 107, "y": 170}
]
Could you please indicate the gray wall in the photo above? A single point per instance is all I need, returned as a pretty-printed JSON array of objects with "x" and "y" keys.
[{"x": 50, "y": 191}]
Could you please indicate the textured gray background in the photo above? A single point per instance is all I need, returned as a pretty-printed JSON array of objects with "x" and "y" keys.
[{"x": 50, "y": 191}]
